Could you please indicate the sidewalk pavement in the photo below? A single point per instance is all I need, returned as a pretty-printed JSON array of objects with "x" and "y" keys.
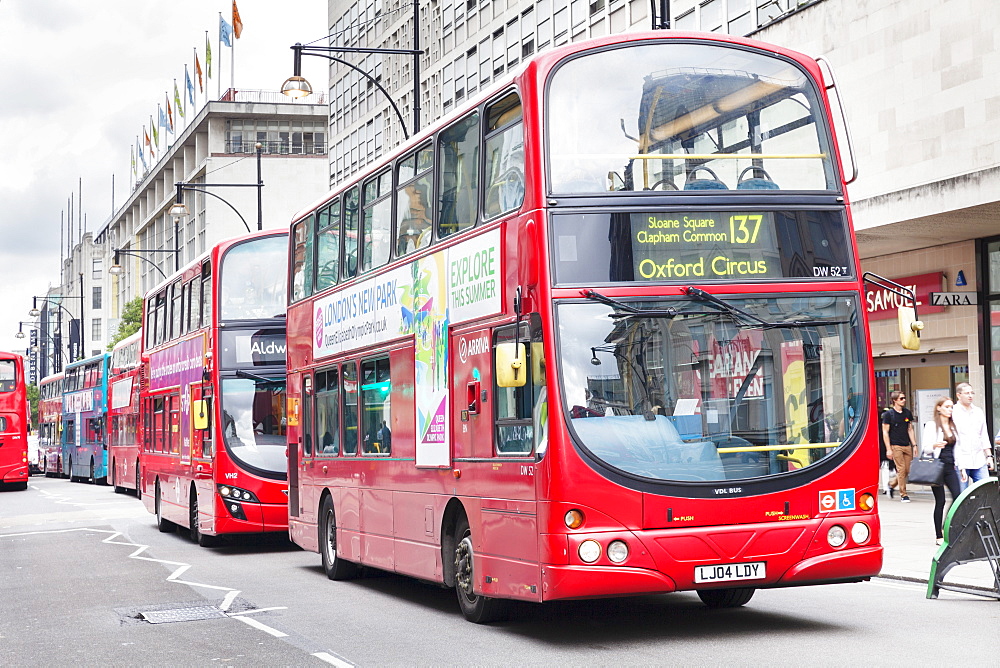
[{"x": 908, "y": 541}]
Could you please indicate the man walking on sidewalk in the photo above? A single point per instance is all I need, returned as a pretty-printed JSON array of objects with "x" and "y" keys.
[
  {"x": 973, "y": 451},
  {"x": 900, "y": 441}
]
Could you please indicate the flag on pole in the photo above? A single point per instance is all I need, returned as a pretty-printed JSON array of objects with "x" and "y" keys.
[
  {"x": 156, "y": 126},
  {"x": 189, "y": 86},
  {"x": 178, "y": 105},
  {"x": 198, "y": 72},
  {"x": 208, "y": 56},
  {"x": 237, "y": 22},
  {"x": 170, "y": 115},
  {"x": 225, "y": 32},
  {"x": 142, "y": 158},
  {"x": 131, "y": 153}
]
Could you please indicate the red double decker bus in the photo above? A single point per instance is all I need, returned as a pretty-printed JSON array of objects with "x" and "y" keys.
[
  {"x": 600, "y": 332},
  {"x": 123, "y": 414},
  {"x": 14, "y": 422},
  {"x": 212, "y": 392},
  {"x": 50, "y": 391}
]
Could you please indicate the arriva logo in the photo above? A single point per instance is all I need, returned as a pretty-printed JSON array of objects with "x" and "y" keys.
[
  {"x": 319, "y": 328},
  {"x": 467, "y": 349}
]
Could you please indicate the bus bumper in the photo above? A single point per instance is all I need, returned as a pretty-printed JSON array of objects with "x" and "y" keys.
[
  {"x": 251, "y": 518},
  {"x": 567, "y": 582},
  {"x": 19, "y": 474}
]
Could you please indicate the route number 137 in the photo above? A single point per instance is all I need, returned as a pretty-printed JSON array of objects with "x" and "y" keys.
[{"x": 744, "y": 229}]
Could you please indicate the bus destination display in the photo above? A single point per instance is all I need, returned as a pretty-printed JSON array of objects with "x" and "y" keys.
[
  {"x": 668, "y": 246},
  {"x": 704, "y": 245}
]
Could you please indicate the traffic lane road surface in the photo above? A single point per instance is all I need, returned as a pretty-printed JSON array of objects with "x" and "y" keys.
[
  {"x": 74, "y": 591},
  {"x": 391, "y": 620}
]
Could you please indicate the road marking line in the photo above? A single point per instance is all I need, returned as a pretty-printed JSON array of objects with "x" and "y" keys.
[
  {"x": 331, "y": 659},
  {"x": 249, "y": 621},
  {"x": 256, "y": 610}
]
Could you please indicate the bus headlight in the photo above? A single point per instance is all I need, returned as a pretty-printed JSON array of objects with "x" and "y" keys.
[
  {"x": 229, "y": 492},
  {"x": 618, "y": 551},
  {"x": 860, "y": 533},
  {"x": 590, "y": 551},
  {"x": 836, "y": 536}
]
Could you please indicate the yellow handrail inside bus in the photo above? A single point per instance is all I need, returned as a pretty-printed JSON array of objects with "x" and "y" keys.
[
  {"x": 787, "y": 446},
  {"x": 726, "y": 156}
]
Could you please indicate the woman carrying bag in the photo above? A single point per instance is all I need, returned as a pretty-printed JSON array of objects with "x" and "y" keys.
[{"x": 939, "y": 441}]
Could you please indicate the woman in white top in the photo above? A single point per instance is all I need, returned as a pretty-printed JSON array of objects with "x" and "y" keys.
[{"x": 939, "y": 438}]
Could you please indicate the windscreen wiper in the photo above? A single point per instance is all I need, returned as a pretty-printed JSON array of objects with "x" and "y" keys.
[
  {"x": 626, "y": 311},
  {"x": 252, "y": 376},
  {"x": 749, "y": 318}
]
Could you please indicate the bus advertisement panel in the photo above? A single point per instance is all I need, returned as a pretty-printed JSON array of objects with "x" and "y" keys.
[
  {"x": 14, "y": 471},
  {"x": 50, "y": 391},
  {"x": 212, "y": 402},
  {"x": 542, "y": 352},
  {"x": 123, "y": 414}
]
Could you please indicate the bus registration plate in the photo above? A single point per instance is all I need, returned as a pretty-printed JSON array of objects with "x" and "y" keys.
[{"x": 753, "y": 570}]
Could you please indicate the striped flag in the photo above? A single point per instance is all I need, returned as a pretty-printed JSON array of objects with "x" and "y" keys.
[
  {"x": 197, "y": 71},
  {"x": 178, "y": 105},
  {"x": 170, "y": 115}
]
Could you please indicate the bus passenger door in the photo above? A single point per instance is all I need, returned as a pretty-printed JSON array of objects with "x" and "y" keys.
[{"x": 472, "y": 374}]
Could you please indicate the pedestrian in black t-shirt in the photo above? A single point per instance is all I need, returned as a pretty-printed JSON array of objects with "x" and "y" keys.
[{"x": 900, "y": 441}]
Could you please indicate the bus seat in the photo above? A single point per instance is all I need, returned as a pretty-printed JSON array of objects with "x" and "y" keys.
[
  {"x": 752, "y": 182},
  {"x": 712, "y": 183}
]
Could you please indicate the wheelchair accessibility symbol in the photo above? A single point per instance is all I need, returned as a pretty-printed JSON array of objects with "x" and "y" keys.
[{"x": 836, "y": 499}]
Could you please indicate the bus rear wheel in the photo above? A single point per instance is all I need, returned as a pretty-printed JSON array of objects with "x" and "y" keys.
[
  {"x": 477, "y": 608},
  {"x": 196, "y": 534},
  {"x": 138, "y": 484},
  {"x": 72, "y": 478},
  {"x": 165, "y": 526},
  {"x": 726, "y": 598},
  {"x": 93, "y": 478},
  {"x": 335, "y": 567}
]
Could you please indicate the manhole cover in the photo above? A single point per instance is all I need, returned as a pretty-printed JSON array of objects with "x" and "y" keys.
[{"x": 191, "y": 614}]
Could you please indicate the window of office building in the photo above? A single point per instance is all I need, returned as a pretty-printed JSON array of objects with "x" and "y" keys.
[{"x": 282, "y": 137}]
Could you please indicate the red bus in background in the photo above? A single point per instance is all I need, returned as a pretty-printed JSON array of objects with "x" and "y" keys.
[
  {"x": 212, "y": 392},
  {"x": 600, "y": 332},
  {"x": 50, "y": 391},
  {"x": 123, "y": 414},
  {"x": 14, "y": 471}
]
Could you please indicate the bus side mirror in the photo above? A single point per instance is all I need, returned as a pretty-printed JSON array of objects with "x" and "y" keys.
[
  {"x": 510, "y": 364},
  {"x": 537, "y": 364},
  {"x": 909, "y": 328},
  {"x": 199, "y": 413}
]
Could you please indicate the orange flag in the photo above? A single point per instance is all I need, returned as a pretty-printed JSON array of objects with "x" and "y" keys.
[{"x": 237, "y": 22}]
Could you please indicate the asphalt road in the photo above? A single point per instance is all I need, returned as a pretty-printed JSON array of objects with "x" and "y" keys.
[{"x": 83, "y": 571}]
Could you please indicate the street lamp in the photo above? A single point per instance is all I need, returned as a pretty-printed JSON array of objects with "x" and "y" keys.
[
  {"x": 180, "y": 210},
  {"x": 296, "y": 86},
  {"x": 116, "y": 268},
  {"x": 35, "y": 312}
]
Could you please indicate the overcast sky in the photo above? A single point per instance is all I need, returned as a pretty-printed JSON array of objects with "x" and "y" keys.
[{"x": 81, "y": 79}]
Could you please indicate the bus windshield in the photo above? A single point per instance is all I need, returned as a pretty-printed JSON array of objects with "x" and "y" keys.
[
  {"x": 698, "y": 390},
  {"x": 253, "y": 422},
  {"x": 250, "y": 286},
  {"x": 684, "y": 116}
]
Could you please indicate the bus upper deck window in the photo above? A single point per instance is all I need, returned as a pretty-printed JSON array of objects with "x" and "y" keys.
[{"x": 458, "y": 148}]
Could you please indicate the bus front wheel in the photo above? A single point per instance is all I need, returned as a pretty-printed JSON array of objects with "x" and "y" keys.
[
  {"x": 165, "y": 526},
  {"x": 336, "y": 568},
  {"x": 196, "y": 534},
  {"x": 726, "y": 598},
  {"x": 138, "y": 483},
  {"x": 477, "y": 608}
]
